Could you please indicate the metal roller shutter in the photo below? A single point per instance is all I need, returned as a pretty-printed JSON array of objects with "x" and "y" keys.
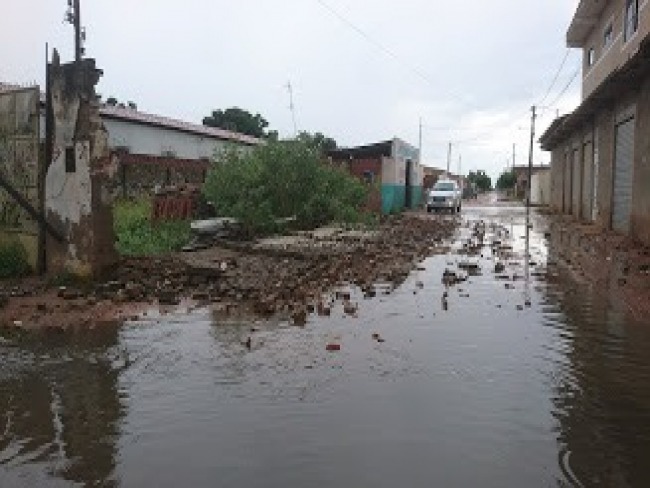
[
  {"x": 623, "y": 174},
  {"x": 587, "y": 181},
  {"x": 566, "y": 202},
  {"x": 576, "y": 183}
]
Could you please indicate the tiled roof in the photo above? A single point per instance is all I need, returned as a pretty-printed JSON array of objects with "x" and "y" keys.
[{"x": 135, "y": 116}]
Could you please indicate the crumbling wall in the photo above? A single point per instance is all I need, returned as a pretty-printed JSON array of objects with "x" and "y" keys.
[
  {"x": 79, "y": 180},
  {"x": 21, "y": 166}
]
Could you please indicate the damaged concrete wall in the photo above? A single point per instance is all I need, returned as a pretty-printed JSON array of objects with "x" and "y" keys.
[
  {"x": 79, "y": 180},
  {"x": 21, "y": 166}
]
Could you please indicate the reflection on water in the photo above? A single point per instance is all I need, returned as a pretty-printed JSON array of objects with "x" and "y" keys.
[
  {"x": 59, "y": 409},
  {"x": 543, "y": 382},
  {"x": 602, "y": 387}
]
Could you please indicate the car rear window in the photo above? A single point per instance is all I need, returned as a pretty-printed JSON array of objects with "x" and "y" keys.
[{"x": 444, "y": 187}]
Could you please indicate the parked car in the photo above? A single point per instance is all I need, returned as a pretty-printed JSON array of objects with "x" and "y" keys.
[{"x": 445, "y": 194}]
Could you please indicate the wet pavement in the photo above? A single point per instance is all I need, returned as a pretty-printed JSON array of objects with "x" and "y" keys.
[{"x": 483, "y": 368}]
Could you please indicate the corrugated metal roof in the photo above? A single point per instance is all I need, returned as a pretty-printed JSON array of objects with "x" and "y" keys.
[{"x": 135, "y": 116}]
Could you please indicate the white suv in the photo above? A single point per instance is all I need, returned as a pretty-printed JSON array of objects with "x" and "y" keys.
[{"x": 445, "y": 194}]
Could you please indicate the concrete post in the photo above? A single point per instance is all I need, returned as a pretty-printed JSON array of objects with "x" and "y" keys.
[{"x": 78, "y": 183}]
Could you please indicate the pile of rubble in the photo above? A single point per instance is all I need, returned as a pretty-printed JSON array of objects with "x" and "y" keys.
[{"x": 292, "y": 277}]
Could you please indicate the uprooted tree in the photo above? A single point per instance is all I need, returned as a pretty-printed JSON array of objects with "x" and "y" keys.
[{"x": 283, "y": 179}]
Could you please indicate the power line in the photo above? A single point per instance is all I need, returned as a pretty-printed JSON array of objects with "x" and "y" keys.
[
  {"x": 415, "y": 70},
  {"x": 555, "y": 78},
  {"x": 564, "y": 90}
]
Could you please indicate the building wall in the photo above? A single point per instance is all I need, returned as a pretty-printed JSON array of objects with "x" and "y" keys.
[
  {"x": 540, "y": 192},
  {"x": 158, "y": 141},
  {"x": 618, "y": 52},
  {"x": 602, "y": 130},
  {"x": 640, "y": 223},
  {"x": 78, "y": 200}
]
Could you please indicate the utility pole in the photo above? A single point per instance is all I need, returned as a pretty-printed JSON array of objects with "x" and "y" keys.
[
  {"x": 293, "y": 109},
  {"x": 420, "y": 142},
  {"x": 460, "y": 172},
  {"x": 78, "y": 49},
  {"x": 514, "y": 155},
  {"x": 449, "y": 159},
  {"x": 73, "y": 16},
  {"x": 530, "y": 154}
]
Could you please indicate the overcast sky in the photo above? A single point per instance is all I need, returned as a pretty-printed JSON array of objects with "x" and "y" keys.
[{"x": 362, "y": 70}]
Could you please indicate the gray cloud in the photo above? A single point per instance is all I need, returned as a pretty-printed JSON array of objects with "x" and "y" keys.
[{"x": 470, "y": 69}]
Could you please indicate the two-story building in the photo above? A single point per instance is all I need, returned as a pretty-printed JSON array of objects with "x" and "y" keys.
[{"x": 600, "y": 167}]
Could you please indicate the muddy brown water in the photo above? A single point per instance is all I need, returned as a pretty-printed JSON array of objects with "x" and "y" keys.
[{"x": 544, "y": 382}]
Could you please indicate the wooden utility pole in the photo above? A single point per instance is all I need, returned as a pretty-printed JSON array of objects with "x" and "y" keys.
[
  {"x": 449, "y": 159},
  {"x": 530, "y": 154},
  {"x": 514, "y": 154}
]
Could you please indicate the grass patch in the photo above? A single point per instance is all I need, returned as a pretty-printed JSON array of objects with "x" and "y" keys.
[
  {"x": 13, "y": 260},
  {"x": 137, "y": 235}
]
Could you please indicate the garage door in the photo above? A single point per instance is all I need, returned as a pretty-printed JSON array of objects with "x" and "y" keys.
[
  {"x": 623, "y": 174},
  {"x": 587, "y": 181},
  {"x": 566, "y": 207},
  {"x": 576, "y": 179}
]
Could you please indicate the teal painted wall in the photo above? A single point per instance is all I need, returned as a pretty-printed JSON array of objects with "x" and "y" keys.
[
  {"x": 417, "y": 196},
  {"x": 393, "y": 198}
]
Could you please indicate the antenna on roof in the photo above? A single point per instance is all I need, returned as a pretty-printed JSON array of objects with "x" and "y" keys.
[{"x": 293, "y": 109}]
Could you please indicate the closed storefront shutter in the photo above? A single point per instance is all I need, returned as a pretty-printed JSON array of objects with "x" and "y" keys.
[
  {"x": 566, "y": 207},
  {"x": 587, "y": 181},
  {"x": 623, "y": 174},
  {"x": 576, "y": 183}
]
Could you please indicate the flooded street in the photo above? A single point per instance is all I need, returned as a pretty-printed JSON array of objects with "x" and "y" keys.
[{"x": 521, "y": 376}]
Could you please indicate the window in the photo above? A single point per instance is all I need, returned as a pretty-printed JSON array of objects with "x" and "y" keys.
[
  {"x": 369, "y": 177},
  {"x": 608, "y": 36},
  {"x": 591, "y": 56},
  {"x": 70, "y": 160},
  {"x": 631, "y": 18}
]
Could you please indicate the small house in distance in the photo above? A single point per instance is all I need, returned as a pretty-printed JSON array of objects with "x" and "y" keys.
[{"x": 392, "y": 167}]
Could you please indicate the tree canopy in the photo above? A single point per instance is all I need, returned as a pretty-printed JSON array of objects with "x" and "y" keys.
[
  {"x": 238, "y": 120},
  {"x": 506, "y": 181},
  {"x": 480, "y": 178},
  {"x": 317, "y": 140}
]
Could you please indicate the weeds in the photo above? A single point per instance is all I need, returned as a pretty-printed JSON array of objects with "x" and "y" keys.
[
  {"x": 283, "y": 180},
  {"x": 13, "y": 260},
  {"x": 137, "y": 235}
]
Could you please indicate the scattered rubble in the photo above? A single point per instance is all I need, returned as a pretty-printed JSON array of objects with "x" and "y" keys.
[{"x": 290, "y": 277}]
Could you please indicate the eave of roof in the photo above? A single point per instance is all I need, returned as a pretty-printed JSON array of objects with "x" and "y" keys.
[
  {"x": 584, "y": 20},
  {"x": 619, "y": 81},
  {"x": 379, "y": 149},
  {"x": 137, "y": 117}
]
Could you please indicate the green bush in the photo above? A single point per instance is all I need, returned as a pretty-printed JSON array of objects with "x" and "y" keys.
[
  {"x": 282, "y": 180},
  {"x": 138, "y": 236},
  {"x": 13, "y": 260}
]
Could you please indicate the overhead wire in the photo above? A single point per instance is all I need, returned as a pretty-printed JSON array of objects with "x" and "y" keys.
[{"x": 555, "y": 78}]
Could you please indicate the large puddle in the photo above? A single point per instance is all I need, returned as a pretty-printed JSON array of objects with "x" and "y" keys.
[{"x": 532, "y": 381}]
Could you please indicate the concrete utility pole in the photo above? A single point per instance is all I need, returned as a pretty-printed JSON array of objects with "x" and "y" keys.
[
  {"x": 530, "y": 154},
  {"x": 420, "y": 142},
  {"x": 449, "y": 159},
  {"x": 293, "y": 109},
  {"x": 514, "y": 154},
  {"x": 73, "y": 16},
  {"x": 78, "y": 49}
]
